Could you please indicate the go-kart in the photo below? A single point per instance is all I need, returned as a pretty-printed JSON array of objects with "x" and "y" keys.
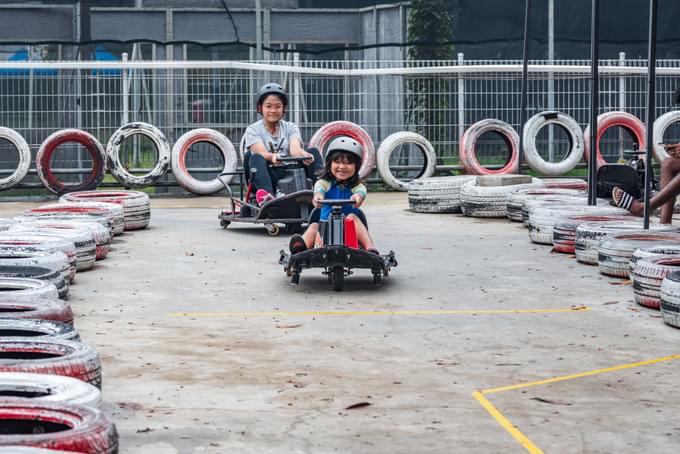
[
  {"x": 337, "y": 251},
  {"x": 291, "y": 207}
]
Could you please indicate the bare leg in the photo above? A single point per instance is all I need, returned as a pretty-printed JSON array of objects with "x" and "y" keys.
[
  {"x": 665, "y": 198},
  {"x": 363, "y": 236},
  {"x": 670, "y": 168},
  {"x": 310, "y": 235}
]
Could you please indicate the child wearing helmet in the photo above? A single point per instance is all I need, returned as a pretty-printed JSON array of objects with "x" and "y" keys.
[
  {"x": 339, "y": 179},
  {"x": 270, "y": 138}
]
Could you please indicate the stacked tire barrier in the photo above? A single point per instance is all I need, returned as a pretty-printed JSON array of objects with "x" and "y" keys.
[
  {"x": 436, "y": 194},
  {"x": 490, "y": 201},
  {"x": 48, "y": 375},
  {"x": 518, "y": 197}
]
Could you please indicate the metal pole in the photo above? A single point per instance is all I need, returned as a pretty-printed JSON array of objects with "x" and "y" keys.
[
  {"x": 622, "y": 102},
  {"x": 258, "y": 30},
  {"x": 461, "y": 98},
  {"x": 525, "y": 76},
  {"x": 651, "y": 107},
  {"x": 551, "y": 76},
  {"x": 594, "y": 80}
]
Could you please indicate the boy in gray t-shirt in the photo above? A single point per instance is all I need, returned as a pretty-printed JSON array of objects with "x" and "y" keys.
[{"x": 271, "y": 137}]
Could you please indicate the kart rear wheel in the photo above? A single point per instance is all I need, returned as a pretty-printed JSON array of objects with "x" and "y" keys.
[
  {"x": 338, "y": 278},
  {"x": 224, "y": 224},
  {"x": 272, "y": 229},
  {"x": 295, "y": 278},
  {"x": 377, "y": 278}
]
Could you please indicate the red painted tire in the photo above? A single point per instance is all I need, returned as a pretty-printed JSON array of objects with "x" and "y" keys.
[
  {"x": 179, "y": 155},
  {"x": 51, "y": 356},
  {"x": 346, "y": 128},
  {"x": 468, "y": 144},
  {"x": 47, "y": 148},
  {"x": 608, "y": 120},
  {"x": 38, "y": 308},
  {"x": 65, "y": 427}
]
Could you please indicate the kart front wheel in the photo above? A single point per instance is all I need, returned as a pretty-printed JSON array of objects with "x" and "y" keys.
[
  {"x": 224, "y": 224},
  {"x": 338, "y": 278}
]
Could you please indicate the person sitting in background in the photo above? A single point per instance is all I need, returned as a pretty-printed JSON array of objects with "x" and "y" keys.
[
  {"x": 270, "y": 138},
  {"x": 670, "y": 184}
]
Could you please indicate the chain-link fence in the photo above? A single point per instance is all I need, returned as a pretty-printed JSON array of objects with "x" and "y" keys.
[{"x": 437, "y": 99}]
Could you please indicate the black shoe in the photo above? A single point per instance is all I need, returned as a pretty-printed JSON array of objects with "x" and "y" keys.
[{"x": 297, "y": 244}]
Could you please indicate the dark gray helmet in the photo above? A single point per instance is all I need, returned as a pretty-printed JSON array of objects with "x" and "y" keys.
[
  {"x": 346, "y": 144},
  {"x": 270, "y": 89}
]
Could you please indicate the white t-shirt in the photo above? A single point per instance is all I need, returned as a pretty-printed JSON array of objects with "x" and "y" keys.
[{"x": 279, "y": 142}]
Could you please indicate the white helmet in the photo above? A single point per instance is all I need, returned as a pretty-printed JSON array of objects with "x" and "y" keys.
[{"x": 346, "y": 144}]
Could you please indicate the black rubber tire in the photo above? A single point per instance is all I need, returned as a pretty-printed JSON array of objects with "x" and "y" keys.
[
  {"x": 70, "y": 428},
  {"x": 338, "y": 278},
  {"x": 295, "y": 278}
]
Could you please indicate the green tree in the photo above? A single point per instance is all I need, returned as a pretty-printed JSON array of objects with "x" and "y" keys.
[{"x": 430, "y": 27}]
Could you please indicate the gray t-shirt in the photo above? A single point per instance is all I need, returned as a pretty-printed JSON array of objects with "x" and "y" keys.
[{"x": 277, "y": 143}]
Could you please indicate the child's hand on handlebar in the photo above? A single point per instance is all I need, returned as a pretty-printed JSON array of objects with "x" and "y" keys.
[
  {"x": 317, "y": 197},
  {"x": 309, "y": 156},
  {"x": 358, "y": 200}
]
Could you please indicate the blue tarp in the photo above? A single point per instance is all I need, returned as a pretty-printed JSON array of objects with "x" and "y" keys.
[{"x": 101, "y": 54}]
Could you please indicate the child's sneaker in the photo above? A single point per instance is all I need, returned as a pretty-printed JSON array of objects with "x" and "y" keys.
[
  {"x": 297, "y": 244},
  {"x": 262, "y": 196}
]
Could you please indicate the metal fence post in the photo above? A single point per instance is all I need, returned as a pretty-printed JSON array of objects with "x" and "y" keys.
[
  {"x": 125, "y": 92},
  {"x": 622, "y": 101},
  {"x": 461, "y": 98}
]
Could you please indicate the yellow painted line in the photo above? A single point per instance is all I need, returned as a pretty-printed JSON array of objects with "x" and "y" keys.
[
  {"x": 582, "y": 374},
  {"x": 355, "y": 313},
  {"x": 516, "y": 433},
  {"x": 507, "y": 425}
]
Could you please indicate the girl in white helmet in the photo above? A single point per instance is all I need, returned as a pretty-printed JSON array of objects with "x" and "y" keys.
[{"x": 339, "y": 179}]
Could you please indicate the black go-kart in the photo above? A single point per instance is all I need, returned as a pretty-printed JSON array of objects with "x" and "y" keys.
[
  {"x": 629, "y": 176},
  {"x": 339, "y": 252},
  {"x": 291, "y": 207}
]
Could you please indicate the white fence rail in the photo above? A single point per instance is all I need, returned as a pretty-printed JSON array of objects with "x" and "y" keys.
[{"x": 436, "y": 99}]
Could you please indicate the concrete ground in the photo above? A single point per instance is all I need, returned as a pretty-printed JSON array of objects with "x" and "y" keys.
[{"x": 207, "y": 347}]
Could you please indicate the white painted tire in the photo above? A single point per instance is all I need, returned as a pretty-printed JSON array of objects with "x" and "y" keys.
[
  {"x": 43, "y": 242},
  {"x": 530, "y": 133},
  {"x": 391, "y": 143},
  {"x": 608, "y": 120},
  {"x": 24, "y": 163},
  {"x": 25, "y": 289},
  {"x": 136, "y": 204},
  {"x": 650, "y": 251},
  {"x": 50, "y": 388},
  {"x": 179, "y": 154},
  {"x": 436, "y": 194},
  {"x": 590, "y": 235},
  {"x": 564, "y": 229},
  {"x": 346, "y": 128},
  {"x": 616, "y": 249},
  {"x": 27, "y": 256},
  {"x": 542, "y": 217},
  {"x": 670, "y": 299},
  {"x": 662, "y": 123},
  {"x": 518, "y": 198},
  {"x": 648, "y": 274},
  {"x": 468, "y": 144},
  {"x": 490, "y": 201},
  {"x": 113, "y": 154}
]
